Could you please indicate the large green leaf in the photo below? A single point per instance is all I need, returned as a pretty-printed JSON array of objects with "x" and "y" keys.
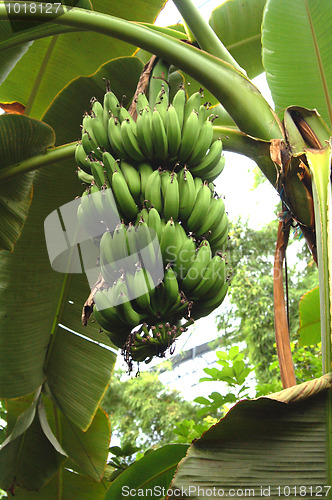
[
  {"x": 20, "y": 138},
  {"x": 87, "y": 451},
  {"x": 264, "y": 444},
  {"x": 58, "y": 60},
  {"x": 31, "y": 455},
  {"x": 319, "y": 162},
  {"x": 238, "y": 25},
  {"x": 153, "y": 472},
  {"x": 35, "y": 300},
  {"x": 310, "y": 318},
  {"x": 297, "y": 55},
  {"x": 77, "y": 370},
  {"x": 66, "y": 110},
  {"x": 10, "y": 57},
  {"x": 73, "y": 485}
]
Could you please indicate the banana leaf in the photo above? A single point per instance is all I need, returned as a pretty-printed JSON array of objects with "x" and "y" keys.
[
  {"x": 20, "y": 138},
  {"x": 59, "y": 59},
  {"x": 271, "y": 446},
  {"x": 296, "y": 38},
  {"x": 238, "y": 25},
  {"x": 310, "y": 318}
]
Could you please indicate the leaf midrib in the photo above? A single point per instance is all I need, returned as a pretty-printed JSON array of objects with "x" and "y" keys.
[
  {"x": 240, "y": 43},
  {"x": 320, "y": 63},
  {"x": 39, "y": 78}
]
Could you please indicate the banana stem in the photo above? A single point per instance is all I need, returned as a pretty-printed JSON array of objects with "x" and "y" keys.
[
  {"x": 54, "y": 155},
  {"x": 203, "y": 33},
  {"x": 258, "y": 150},
  {"x": 238, "y": 95}
]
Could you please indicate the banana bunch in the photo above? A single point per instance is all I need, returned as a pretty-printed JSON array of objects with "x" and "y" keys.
[
  {"x": 168, "y": 134},
  {"x": 188, "y": 267},
  {"x": 133, "y": 299},
  {"x": 151, "y": 208},
  {"x": 177, "y": 196},
  {"x": 146, "y": 342}
]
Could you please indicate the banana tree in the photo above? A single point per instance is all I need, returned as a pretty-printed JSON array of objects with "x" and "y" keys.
[{"x": 53, "y": 371}]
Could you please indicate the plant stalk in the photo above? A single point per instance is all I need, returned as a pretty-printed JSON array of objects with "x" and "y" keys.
[
  {"x": 238, "y": 95},
  {"x": 54, "y": 155},
  {"x": 257, "y": 150},
  {"x": 203, "y": 33},
  {"x": 319, "y": 161}
]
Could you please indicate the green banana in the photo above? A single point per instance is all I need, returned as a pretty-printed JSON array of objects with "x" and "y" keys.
[
  {"x": 213, "y": 216},
  {"x": 185, "y": 258},
  {"x": 169, "y": 243},
  {"x": 179, "y": 101},
  {"x": 108, "y": 312},
  {"x": 81, "y": 159},
  {"x": 153, "y": 190},
  {"x": 84, "y": 177},
  {"x": 141, "y": 291},
  {"x": 164, "y": 176},
  {"x": 90, "y": 149},
  {"x": 203, "y": 113},
  {"x": 209, "y": 161},
  {"x": 110, "y": 166},
  {"x": 197, "y": 269},
  {"x": 123, "y": 196},
  {"x": 193, "y": 104},
  {"x": 99, "y": 132},
  {"x": 141, "y": 103},
  {"x": 124, "y": 115},
  {"x": 145, "y": 245},
  {"x": 129, "y": 141},
  {"x": 132, "y": 178},
  {"x": 97, "y": 170},
  {"x": 204, "y": 308},
  {"x": 181, "y": 233},
  {"x": 190, "y": 131},
  {"x": 198, "y": 184},
  {"x": 118, "y": 339},
  {"x": 187, "y": 193},
  {"x": 93, "y": 142},
  {"x": 131, "y": 238},
  {"x": 86, "y": 220},
  {"x": 131, "y": 316},
  {"x": 161, "y": 104},
  {"x": 96, "y": 108},
  {"x": 115, "y": 139},
  {"x": 216, "y": 171},
  {"x": 158, "y": 79},
  {"x": 111, "y": 107},
  {"x": 144, "y": 133},
  {"x": 220, "y": 244},
  {"x": 110, "y": 214},
  {"x": 171, "y": 287},
  {"x": 219, "y": 230},
  {"x": 171, "y": 201},
  {"x": 159, "y": 136},
  {"x": 155, "y": 221},
  {"x": 202, "y": 144},
  {"x": 120, "y": 246},
  {"x": 200, "y": 209},
  {"x": 209, "y": 277},
  {"x": 145, "y": 170},
  {"x": 143, "y": 216},
  {"x": 173, "y": 132}
]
